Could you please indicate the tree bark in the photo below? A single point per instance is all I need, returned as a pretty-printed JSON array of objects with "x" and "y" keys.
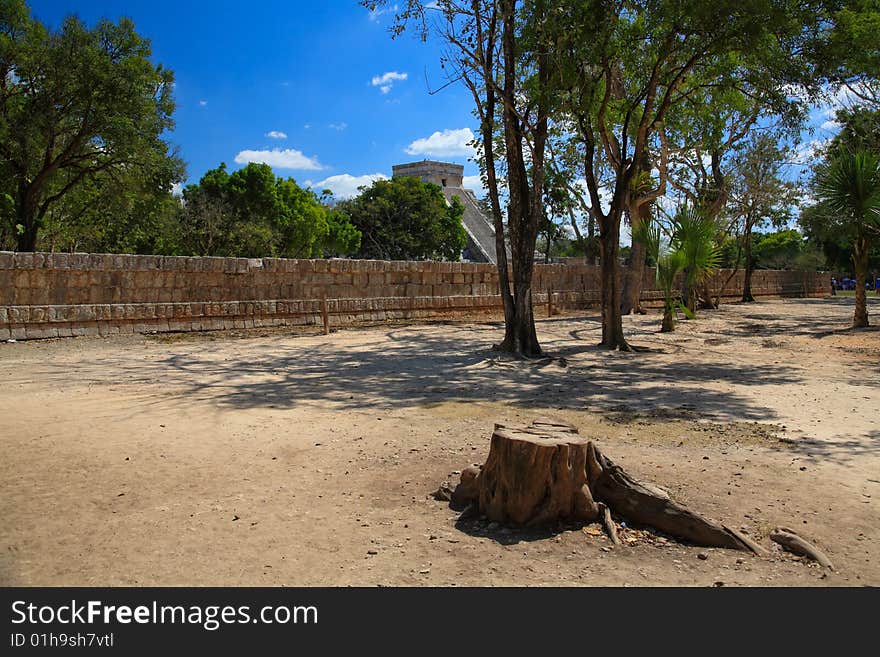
[
  {"x": 487, "y": 133},
  {"x": 535, "y": 476},
  {"x": 612, "y": 318},
  {"x": 639, "y": 217},
  {"x": 635, "y": 273},
  {"x": 524, "y": 201},
  {"x": 860, "y": 260},
  {"x": 26, "y": 217},
  {"x": 796, "y": 544},
  {"x": 668, "y": 325}
]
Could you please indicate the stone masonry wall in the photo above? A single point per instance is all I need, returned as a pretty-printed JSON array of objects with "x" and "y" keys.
[{"x": 64, "y": 294}]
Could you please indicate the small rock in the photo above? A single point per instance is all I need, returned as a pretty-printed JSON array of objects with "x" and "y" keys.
[
  {"x": 702, "y": 556},
  {"x": 372, "y": 552}
]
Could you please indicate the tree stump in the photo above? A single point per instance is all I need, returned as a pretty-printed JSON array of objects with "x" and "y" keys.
[
  {"x": 546, "y": 472},
  {"x": 536, "y": 475}
]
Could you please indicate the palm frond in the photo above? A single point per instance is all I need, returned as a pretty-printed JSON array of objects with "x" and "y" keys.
[{"x": 850, "y": 185}]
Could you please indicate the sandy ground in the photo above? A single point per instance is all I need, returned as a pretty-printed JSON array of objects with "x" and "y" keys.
[{"x": 268, "y": 458}]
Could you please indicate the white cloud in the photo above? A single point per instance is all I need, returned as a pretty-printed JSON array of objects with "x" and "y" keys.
[
  {"x": 475, "y": 184},
  {"x": 307, "y": 126},
  {"x": 276, "y": 134},
  {"x": 177, "y": 189},
  {"x": 345, "y": 185},
  {"x": 376, "y": 12},
  {"x": 338, "y": 126},
  {"x": 387, "y": 80},
  {"x": 280, "y": 159},
  {"x": 449, "y": 143},
  {"x": 203, "y": 103},
  {"x": 807, "y": 151}
]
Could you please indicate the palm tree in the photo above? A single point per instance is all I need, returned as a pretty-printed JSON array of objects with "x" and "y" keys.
[
  {"x": 849, "y": 186},
  {"x": 669, "y": 264},
  {"x": 694, "y": 235}
]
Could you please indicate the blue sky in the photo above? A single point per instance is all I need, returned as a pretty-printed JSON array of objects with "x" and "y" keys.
[
  {"x": 321, "y": 83},
  {"x": 319, "y": 90}
]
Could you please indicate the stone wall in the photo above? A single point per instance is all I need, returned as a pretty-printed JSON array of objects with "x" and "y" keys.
[{"x": 59, "y": 294}]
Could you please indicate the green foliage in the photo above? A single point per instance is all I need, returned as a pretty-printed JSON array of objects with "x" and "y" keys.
[
  {"x": 847, "y": 53},
  {"x": 670, "y": 263},
  {"x": 80, "y": 108},
  {"x": 778, "y": 250},
  {"x": 760, "y": 193},
  {"x": 849, "y": 187},
  {"x": 406, "y": 219},
  {"x": 842, "y": 183},
  {"x": 694, "y": 236},
  {"x": 252, "y": 213}
]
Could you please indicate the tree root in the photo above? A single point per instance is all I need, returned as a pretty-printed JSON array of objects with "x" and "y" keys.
[{"x": 795, "y": 544}]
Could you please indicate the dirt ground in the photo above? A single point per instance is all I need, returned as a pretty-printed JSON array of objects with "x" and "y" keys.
[{"x": 273, "y": 458}]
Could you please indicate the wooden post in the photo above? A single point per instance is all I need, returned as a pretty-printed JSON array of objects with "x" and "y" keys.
[
  {"x": 550, "y": 301},
  {"x": 325, "y": 315}
]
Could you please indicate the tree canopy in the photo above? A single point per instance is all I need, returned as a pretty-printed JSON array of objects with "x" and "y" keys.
[
  {"x": 406, "y": 219},
  {"x": 251, "y": 212},
  {"x": 78, "y": 106}
]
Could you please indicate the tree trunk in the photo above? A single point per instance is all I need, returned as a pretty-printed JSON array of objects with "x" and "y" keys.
[
  {"x": 632, "y": 286},
  {"x": 747, "y": 280},
  {"x": 547, "y": 473},
  {"x": 487, "y": 133},
  {"x": 860, "y": 260},
  {"x": 688, "y": 293},
  {"x": 612, "y": 319},
  {"x": 668, "y": 325},
  {"x": 536, "y": 476},
  {"x": 639, "y": 218},
  {"x": 524, "y": 201},
  {"x": 26, "y": 216}
]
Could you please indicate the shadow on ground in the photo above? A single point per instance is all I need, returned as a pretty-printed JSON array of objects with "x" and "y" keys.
[{"x": 415, "y": 366}]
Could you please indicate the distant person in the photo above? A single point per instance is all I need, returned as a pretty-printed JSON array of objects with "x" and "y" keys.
[
  {"x": 833, "y": 286},
  {"x": 877, "y": 286}
]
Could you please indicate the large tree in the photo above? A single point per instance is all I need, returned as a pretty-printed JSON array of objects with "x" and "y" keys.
[
  {"x": 500, "y": 50},
  {"x": 116, "y": 212},
  {"x": 251, "y": 212},
  {"x": 406, "y": 219},
  {"x": 848, "y": 56},
  {"x": 626, "y": 68},
  {"x": 75, "y": 104},
  {"x": 760, "y": 195}
]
